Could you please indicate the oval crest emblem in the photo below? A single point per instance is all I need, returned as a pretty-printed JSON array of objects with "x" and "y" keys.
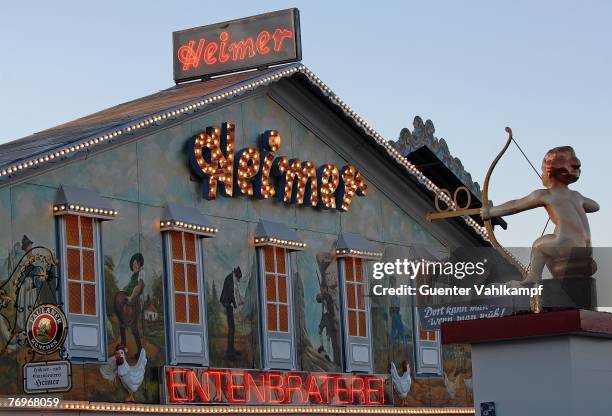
[{"x": 46, "y": 328}]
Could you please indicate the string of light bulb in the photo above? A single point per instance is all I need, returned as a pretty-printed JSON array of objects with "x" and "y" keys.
[
  {"x": 159, "y": 118},
  {"x": 127, "y": 408}
]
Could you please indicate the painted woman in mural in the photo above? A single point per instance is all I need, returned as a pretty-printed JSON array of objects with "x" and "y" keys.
[
  {"x": 127, "y": 303},
  {"x": 231, "y": 299}
]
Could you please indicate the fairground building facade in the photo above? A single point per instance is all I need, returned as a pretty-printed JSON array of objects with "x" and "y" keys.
[{"x": 208, "y": 248}]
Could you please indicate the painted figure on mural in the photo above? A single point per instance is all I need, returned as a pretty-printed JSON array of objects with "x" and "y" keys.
[
  {"x": 7, "y": 340},
  {"x": 399, "y": 332},
  {"x": 30, "y": 285},
  {"x": 128, "y": 306},
  {"x": 329, "y": 320},
  {"x": 567, "y": 209},
  {"x": 231, "y": 299},
  {"x": 35, "y": 285}
]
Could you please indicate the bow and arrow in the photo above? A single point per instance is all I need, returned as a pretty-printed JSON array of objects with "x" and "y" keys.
[{"x": 452, "y": 210}]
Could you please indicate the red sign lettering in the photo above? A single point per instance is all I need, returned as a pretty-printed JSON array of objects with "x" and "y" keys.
[
  {"x": 252, "y": 42},
  {"x": 191, "y": 57},
  {"x": 212, "y": 386}
]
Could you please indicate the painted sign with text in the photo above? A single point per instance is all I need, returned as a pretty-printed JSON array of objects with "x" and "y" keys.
[
  {"x": 261, "y": 174},
  {"x": 431, "y": 317},
  {"x": 47, "y": 377},
  {"x": 231, "y": 386},
  {"x": 236, "y": 45}
]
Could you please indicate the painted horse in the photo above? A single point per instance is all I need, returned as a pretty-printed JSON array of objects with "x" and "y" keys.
[{"x": 128, "y": 314}]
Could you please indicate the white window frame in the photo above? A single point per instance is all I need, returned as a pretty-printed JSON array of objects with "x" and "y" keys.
[
  {"x": 358, "y": 351},
  {"x": 181, "y": 333},
  {"x": 274, "y": 343},
  {"x": 88, "y": 325},
  {"x": 425, "y": 350}
]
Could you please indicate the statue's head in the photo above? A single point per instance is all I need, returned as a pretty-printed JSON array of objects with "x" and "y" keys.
[{"x": 561, "y": 164}]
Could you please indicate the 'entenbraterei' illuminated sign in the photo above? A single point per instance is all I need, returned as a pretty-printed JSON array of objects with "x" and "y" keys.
[
  {"x": 252, "y": 42},
  {"x": 250, "y": 171},
  {"x": 231, "y": 386}
]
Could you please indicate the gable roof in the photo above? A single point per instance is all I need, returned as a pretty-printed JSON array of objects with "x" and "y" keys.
[
  {"x": 89, "y": 133},
  {"x": 114, "y": 118}
]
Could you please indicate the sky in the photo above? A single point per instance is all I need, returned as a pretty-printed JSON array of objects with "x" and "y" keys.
[{"x": 544, "y": 68}]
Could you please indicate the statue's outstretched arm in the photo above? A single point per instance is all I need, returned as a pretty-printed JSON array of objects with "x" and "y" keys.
[
  {"x": 589, "y": 205},
  {"x": 533, "y": 200}
]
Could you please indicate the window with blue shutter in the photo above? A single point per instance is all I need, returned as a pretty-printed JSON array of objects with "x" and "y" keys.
[
  {"x": 79, "y": 213},
  {"x": 82, "y": 286},
  {"x": 187, "y": 331},
  {"x": 183, "y": 230}
]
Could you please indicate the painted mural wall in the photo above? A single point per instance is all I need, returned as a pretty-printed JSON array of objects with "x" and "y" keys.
[{"x": 141, "y": 177}]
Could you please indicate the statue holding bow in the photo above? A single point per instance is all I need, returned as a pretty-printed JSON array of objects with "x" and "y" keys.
[{"x": 567, "y": 251}]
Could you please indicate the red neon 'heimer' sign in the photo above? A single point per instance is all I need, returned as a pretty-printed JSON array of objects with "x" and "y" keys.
[
  {"x": 225, "y": 386},
  {"x": 252, "y": 42},
  {"x": 227, "y": 50}
]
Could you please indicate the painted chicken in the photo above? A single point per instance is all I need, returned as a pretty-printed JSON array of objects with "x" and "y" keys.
[
  {"x": 451, "y": 385},
  {"x": 131, "y": 376},
  {"x": 468, "y": 383},
  {"x": 401, "y": 384}
]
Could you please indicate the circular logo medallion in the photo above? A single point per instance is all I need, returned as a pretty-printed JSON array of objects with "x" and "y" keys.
[{"x": 46, "y": 328}]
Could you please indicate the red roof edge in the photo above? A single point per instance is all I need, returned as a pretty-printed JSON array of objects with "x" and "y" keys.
[{"x": 567, "y": 322}]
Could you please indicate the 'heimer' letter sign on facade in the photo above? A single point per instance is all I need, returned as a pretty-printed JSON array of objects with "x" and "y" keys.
[
  {"x": 261, "y": 174},
  {"x": 252, "y": 42}
]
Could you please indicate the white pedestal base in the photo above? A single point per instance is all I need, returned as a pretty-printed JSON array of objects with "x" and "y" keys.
[{"x": 558, "y": 376}]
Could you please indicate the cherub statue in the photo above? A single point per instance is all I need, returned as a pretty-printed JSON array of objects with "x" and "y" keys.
[{"x": 567, "y": 251}]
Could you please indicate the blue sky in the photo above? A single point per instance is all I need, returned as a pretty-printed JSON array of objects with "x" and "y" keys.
[{"x": 544, "y": 68}]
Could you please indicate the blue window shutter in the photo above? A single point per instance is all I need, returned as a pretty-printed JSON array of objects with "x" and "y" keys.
[
  {"x": 86, "y": 337},
  {"x": 277, "y": 345},
  {"x": 358, "y": 354},
  {"x": 187, "y": 342}
]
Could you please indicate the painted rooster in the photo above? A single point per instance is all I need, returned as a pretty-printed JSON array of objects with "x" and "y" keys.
[
  {"x": 131, "y": 376},
  {"x": 401, "y": 384}
]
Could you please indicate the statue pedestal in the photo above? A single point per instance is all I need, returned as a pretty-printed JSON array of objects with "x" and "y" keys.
[
  {"x": 552, "y": 363},
  {"x": 569, "y": 292}
]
